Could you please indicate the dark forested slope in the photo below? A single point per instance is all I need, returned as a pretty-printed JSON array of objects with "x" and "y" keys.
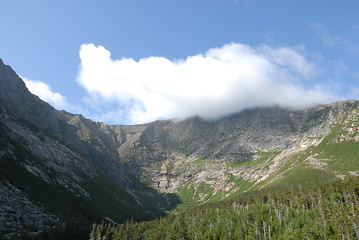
[{"x": 319, "y": 211}]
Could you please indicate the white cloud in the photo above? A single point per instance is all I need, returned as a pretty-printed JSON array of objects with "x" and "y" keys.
[
  {"x": 44, "y": 92},
  {"x": 219, "y": 82}
]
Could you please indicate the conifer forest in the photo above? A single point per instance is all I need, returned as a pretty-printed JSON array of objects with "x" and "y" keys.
[{"x": 319, "y": 211}]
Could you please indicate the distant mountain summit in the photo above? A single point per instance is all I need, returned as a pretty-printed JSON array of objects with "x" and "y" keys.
[{"x": 60, "y": 167}]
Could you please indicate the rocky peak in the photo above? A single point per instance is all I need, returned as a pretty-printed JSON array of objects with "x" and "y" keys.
[{"x": 18, "y": 102}]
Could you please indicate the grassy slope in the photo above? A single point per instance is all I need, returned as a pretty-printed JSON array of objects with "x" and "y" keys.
[{"x": 338, "y": 157}]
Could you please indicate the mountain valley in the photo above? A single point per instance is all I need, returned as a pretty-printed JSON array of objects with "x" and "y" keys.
[{"x": 57, "y": 167}]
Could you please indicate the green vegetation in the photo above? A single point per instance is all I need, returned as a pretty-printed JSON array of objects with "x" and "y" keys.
[
  {"x": 262, "y": 157},
  {"x": 192, "y": 196},
  {"x": 320, "y": 211},
  {"x": 169, "y": 166},
  {"x": 321, "y": 163},
  {"x": 188, "y": 196},
  {"x": 240, "y": 184}
]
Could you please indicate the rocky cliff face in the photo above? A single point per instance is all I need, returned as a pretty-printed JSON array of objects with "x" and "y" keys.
[
  {"x": 205, "y": 161},
  {"x": 142, "y": 171},
  {"x": 64, "y": 167}
]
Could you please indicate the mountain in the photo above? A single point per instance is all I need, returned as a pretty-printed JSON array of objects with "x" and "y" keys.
[
  {"x": 206, "y": 161},
  {"x": 58, "y": 167}
]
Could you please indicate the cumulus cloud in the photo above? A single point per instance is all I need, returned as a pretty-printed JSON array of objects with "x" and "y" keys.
[
  {"x": 219, "y": 82},
  {"x": 44, "y": 92}
]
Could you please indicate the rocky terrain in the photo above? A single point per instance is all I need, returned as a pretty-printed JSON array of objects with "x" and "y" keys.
[
  {"x": 52, "y": 162},
  {"x": 17, "y": 213},
  {"x": 205, "y": 161}
]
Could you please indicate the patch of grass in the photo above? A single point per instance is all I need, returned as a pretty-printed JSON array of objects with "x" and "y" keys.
[
  {"x": 204, "y": 192},
  {"x": 169, "y": 166},
  {"x": 186, "y": 193},
  {"x": 191, "y": 196},
  {"x": 345, "y": 157},
  {"x": 242, "y": 184},
  {"x": 306, "y": 176},
  {"x": 200, "y": 161},
  {"x": 262, "y": 157}
]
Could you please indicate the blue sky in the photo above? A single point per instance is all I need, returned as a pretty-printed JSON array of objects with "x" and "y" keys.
[{"x": 144, "y": 60}]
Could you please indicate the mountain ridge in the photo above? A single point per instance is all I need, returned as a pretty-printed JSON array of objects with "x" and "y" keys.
[{"x": 144, "y": 171}]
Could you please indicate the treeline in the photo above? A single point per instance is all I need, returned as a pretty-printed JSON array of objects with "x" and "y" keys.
[{"x": 322, "y": 211}]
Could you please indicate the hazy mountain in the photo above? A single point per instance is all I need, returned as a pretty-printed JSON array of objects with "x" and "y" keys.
[{"x": 56, "y": 166}]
